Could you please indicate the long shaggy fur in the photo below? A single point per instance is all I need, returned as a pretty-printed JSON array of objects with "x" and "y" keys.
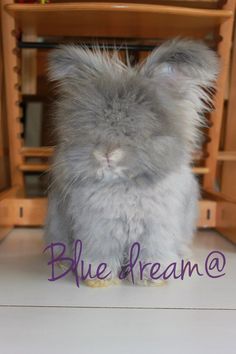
[{"x": 121, "y": 170}]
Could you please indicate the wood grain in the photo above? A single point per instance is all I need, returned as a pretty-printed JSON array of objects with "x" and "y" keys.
[{"x": 115, "y": 20}]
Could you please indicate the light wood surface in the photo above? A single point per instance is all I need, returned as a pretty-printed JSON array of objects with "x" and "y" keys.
[
  {"x": 24, "y": 272},
  {"x": 190, "y": 316},
  {"x": 115, "y": 19}
]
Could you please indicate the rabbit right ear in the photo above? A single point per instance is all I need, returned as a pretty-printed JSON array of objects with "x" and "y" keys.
[
  {"x": 68, "y": 61},
  {"x": 62, "y": 62}
]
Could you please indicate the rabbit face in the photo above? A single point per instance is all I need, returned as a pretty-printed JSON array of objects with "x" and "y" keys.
[
  {"x": 117, "y": 130},
  {"x": 120, "y": 129},
  {"x": 117, "y": 122}
]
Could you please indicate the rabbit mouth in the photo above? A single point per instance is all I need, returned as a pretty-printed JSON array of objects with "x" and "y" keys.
[{"x": 110, "y": 173}]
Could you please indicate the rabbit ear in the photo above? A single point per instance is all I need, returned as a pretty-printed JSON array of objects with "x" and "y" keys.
[
  {"x": 69, "y": 61},
  {"x": 183, "y": 73},
  {"x": 183, "y": 60}
]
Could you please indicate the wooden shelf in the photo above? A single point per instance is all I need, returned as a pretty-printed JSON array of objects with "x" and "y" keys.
[
  {"x": 115, "y": 20},
  {"x": 47, "y": 151},
  {"x": 122, "y": 21},
  {"x": 200, "y": 170},
  {"x": 44, "y": 167},
  {"x": 34, "y": 167},
  {"x": 226, "y": 156},
  {"x": 42, "y": 151},
  {"x": 32, "y": 212}
]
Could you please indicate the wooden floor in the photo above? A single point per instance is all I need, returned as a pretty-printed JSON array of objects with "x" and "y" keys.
[{"x": 196, "y": 315}]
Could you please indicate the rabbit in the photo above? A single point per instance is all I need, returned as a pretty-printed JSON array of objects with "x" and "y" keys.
[{"x": 121, "y": 171}]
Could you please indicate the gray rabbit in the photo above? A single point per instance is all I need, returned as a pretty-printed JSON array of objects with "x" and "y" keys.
[{"x": 121, "y": 171}]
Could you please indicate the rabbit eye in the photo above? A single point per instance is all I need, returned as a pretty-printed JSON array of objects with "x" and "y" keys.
[{"x": 126, "y": 133}]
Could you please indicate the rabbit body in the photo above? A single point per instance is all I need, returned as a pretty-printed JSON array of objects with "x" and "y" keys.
[{"x": 121, "y": 171}]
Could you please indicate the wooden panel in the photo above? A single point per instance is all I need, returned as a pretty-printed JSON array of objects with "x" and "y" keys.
[
  {"x": 225, "y": 214},
  {"x": 29, "y": 211},
  {"x": 32, "y": 212},
  {"x": 207, "y": 214},
  {"x": 226, "y": 219},
  {"x": 6, "y": 221},
  {"x": 115, "y": 19},
  {"x": 23, "y": 212},
  {"x": 4, "y": 152},
  {"x": 12, "y": 95},
  {"x": 29, "y": 68},
  {"x": 216, "y": 117},
  {"x": 228, "y": 176}
]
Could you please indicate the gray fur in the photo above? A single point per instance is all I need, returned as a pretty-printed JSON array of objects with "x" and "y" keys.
[{"x": 146, "y": 119}]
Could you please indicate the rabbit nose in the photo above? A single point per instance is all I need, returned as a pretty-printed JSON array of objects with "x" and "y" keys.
[
  {"x": 114, "y": 154},
  {"x": 109, "y": 155}
]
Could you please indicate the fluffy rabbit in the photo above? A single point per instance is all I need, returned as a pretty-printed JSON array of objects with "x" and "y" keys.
[{"x": 121, "y": 170}]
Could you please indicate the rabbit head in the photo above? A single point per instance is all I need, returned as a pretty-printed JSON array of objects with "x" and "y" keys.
[{"x": 116, "y": 122}]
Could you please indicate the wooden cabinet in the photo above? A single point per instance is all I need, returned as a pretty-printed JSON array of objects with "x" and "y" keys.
[{"x": 209, "y": 20}]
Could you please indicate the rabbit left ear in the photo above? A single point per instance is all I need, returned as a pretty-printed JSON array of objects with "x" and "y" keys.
[
  {"x": 183, "y": 72},
  {"x": 184, "y": 60}
]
